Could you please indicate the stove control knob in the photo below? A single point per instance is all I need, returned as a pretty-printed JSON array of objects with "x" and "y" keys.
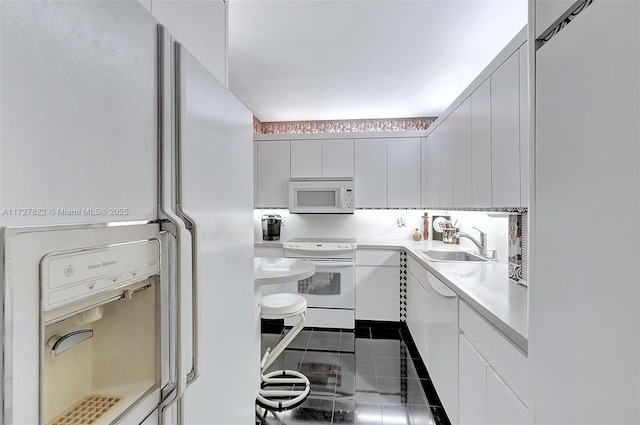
[{"x": 340, "y": 245}]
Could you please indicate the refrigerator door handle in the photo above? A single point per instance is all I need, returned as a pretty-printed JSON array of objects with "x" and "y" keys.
[
  {"x": 182, "y": 333},
  {"x": 188, "y": 221}
]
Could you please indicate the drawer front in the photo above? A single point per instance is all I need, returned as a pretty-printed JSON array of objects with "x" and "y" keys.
[
  {"x": 505, "y": 358},
  {"x": 419, "y": 272},
  {"x": 377, "y": 257}
]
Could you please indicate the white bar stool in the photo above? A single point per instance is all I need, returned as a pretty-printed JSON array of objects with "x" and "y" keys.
[{"x": 282, "y": 306}]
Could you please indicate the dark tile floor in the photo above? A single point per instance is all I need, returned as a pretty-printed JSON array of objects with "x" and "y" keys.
[{"x": 371, "y": 376}]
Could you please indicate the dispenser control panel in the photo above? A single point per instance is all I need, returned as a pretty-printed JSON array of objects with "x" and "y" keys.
[{"x": 71, "y": 276}]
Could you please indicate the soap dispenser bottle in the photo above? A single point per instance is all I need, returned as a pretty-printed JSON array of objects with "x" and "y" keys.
[{"x": 416, "y": 235}]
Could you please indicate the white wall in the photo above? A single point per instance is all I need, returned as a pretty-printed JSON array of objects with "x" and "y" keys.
[{"x": 381, "y": 224}]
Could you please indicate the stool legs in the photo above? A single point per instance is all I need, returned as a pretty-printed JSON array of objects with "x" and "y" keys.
[{"x": 282, "y": 399}]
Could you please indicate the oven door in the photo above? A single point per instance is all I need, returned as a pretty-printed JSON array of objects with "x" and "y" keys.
[{"x": 332, "y": 285}]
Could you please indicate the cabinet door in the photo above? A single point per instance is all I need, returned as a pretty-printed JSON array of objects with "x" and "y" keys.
[
  {"x": 404, "y": 172},
  {"x": 337, "y": 158},
  {"x": 481, "y": 145},
  {"x": 445, "y": 162},
  {"x": 505, "y": 134},
  {"x": 371, "y": 173},
  {"x": 431, "y": 170},
  {"x": 202, "y": 28},
  {"x": 525, "y": 141},
  {"x": 417, "y": 298},
  {"x": 503, "y": 407},
  {"x": 378, "y": 293},
  {"x": 461, "y": 159},
  {"x": 472, "y": 381},
  {"x": 273, "y": 173},
  {"x": 306, "y": 158}
]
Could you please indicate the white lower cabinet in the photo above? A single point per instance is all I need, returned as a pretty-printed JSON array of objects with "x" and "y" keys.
[
  {"x": 378, "y": 285},
  {"x": 492, "y": 374},
  {"x": 472, "y": 379},
  {"x": 417, "y": 299},
  {"x": 378, "y": 293},
  {"x": 503, "y": 406}
]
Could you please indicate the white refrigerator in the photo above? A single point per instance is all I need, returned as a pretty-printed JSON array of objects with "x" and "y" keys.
[{"x": 105, "y": 119}]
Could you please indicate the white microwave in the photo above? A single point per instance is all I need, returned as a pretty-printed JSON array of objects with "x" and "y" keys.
[{"x": 321, "y": 195}]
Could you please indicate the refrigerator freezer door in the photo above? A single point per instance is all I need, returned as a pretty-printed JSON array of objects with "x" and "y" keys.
[
  {"x": 78, "y": 112},
  {"x": 216, "y": 192}
]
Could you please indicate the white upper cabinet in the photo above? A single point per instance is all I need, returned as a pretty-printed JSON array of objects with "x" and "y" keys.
[
  {"x": 371, "y": 173},
  {"x": 481, "y": 145},
  {"x": 201, "y": 26},
  {"x": 548, "y": 12},
  {"x": 461, "y": 158},
  {"x": 322, "y": 158},
  {"x": 337, "y": 158},
  {"x": 431, "y": 170},
  {"x": 445, "y": 162},
  {"x": 272, "y": 172},
  {"x": 146, "y": 4},
  {"x": 505, "y": 133},
  {"x": 306, "y": 158},
  {"x": 403, "y": 172},
  {"x": 525, "y": 137}
]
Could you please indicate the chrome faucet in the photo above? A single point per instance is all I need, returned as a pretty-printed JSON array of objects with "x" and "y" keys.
[{"x": 482, "y": 244}]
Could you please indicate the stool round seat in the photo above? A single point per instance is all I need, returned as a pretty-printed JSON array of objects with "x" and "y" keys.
[{"x": 282, "y": 305}]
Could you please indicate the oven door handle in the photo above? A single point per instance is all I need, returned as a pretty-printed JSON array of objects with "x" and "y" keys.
[{"x": 331, "y": 263}]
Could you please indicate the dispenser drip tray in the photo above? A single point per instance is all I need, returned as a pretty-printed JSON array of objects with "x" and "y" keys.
[{"x": 87, "y": 411}]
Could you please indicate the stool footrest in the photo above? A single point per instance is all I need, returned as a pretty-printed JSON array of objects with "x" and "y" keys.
[
  {"x": 282, "y": 399},
  {"x": 284, "y": 377}
]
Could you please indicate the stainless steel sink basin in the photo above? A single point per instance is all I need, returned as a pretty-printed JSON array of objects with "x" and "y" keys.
[{"x": 435, "y": 255}]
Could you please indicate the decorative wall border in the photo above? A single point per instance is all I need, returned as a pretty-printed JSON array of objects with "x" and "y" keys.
[
  {"x": 519, "y": 210},
  {"x": 342, "y": 126},
  {"x": 565, "y": 20}
]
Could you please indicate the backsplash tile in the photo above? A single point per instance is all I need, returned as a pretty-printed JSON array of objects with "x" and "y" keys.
[
  {"x": 403, "y": 286},
  {"x": 517, "y": 248}
]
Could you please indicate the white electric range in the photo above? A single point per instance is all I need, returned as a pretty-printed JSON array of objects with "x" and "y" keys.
[{"x": 330, "y": 292}]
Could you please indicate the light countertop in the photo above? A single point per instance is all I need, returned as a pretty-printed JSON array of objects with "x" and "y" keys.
[
  {"x": 485, "y": 286},
  {"x": 279, "y": 270}
]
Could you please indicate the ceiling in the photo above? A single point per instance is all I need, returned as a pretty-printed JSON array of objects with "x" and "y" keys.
[{"x": 296, "y": 60}]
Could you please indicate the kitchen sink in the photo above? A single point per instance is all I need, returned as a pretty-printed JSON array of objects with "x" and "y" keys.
[{"x": 435, "y": 255}]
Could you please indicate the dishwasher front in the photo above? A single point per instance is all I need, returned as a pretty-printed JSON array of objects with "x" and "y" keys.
[{"x": 442, "y": 359}]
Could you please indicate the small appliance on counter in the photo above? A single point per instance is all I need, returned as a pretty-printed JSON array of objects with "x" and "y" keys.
[{"x": 271, "y": 227}]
